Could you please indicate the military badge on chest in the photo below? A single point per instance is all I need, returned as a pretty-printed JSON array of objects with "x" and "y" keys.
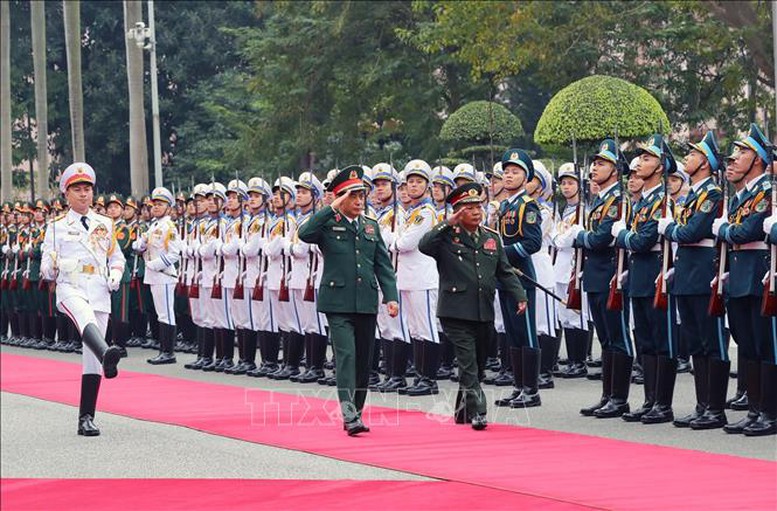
[
  {"x": 100, "y": 239},
  {"x": 369, "y": 229},
  {"x": 490, "y": 244}
]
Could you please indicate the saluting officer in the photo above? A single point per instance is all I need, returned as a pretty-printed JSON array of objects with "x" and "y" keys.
[
  {"x": 470, "y": 260},
  {"x": 520, "y": 227},
  {"x": 748, "y": 263},
  {"x": 600, "y": 267},
  {"x": 356, "y": 264},
  {"x": 695, "y": 267},
  {"x": 80, "y": 253}
]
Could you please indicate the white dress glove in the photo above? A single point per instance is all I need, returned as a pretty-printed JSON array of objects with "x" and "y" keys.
[
  {"x": 716, "y": 225},
  {"x": 663, "y": 224},
  {"x": 114, "y": 280},
  {"x": 617, "y": 228},
  {"x": 769, "y": 223}
]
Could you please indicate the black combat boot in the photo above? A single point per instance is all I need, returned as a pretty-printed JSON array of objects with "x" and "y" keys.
[{"x": 650, "y": 374}]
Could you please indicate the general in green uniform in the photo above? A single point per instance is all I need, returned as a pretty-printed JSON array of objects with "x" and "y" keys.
[
  {"x": 356, "y": 263},
  {"x": 471, "y": 262}
]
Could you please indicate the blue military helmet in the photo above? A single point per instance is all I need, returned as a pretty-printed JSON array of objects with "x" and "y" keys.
[
  {"x": 521, "y": 158},
  {"x": 609, "y": 151},
  {"x": 657, "y": 146},
  {"x": 756, "y": 141},
  {"x": 709, "y": 148}
]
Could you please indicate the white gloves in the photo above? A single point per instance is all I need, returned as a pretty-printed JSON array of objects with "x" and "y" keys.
[
  {"x": 114, "y": 280},
  {"x": 156, "y": 264},
  {"x": 714, "y": 281},
  {"x": 139, "y": 245},
  {"x": 769, "y": 223},
  {"x": 617, "y": 227},
  {"x": 716, "y": 225},
  {"x": 663, "y": 224},
  {"x": 6, "y": 249},
  {"x": 575, "y": 230}
]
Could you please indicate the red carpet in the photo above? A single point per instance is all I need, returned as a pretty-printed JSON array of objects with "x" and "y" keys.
[
  {"x": 561, "y": 467},
  {"x": 237, "y": 494}
]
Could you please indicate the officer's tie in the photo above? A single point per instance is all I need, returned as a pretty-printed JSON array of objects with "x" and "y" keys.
[{"x": 85, "y": 222}]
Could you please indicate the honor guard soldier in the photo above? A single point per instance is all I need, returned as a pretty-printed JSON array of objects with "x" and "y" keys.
[
  {"x": 42, "y": 324},
  {"x": 417, "y": 280},
  {"x": 205, "y": 336},
  {"x": 161, "y": 249},
  {"x": 521, "y": 231},
  {"x": 695, "y": 267},
  {"x": 653, "y": 326},
  {"x": 471, "y": 261},
  {"x": 394, "y": 340},
  {"x": 5, "y": 250},
  {"x": 120, "y": 299},
  {"x": 79, "y": 252},
  {"x": 232, "y": 236},
  {"x": 303, "y": 284},
  {"x": 463, "y": 173},
  {"x": 574, "y": 323},
  {"x": 597, "y": 244},
  {"x": 748, "y": 260},
  {"x": 256, "y": 260},
  {"x": 356, "y": 265}
]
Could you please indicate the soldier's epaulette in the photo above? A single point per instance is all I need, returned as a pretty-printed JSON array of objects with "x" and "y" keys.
[
  {"x": 616, "y": 193},
  {"x": 766, "y": 184},
  {"x": 526, "y": 198},
  {"x": 60, "y": 217},
  {"x": 712, "y": 187},
  {"x": 492, "y": 231},
  {"x": 374, "y": 219}
]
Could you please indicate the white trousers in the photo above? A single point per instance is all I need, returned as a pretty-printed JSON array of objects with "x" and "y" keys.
[
  {"x": 164, "y": 299},
  {"x": 81, "y": 314},
  {"x": 312, "y": 321},
  {"x": 195, "y": 308},
  {"x": 569, "y": 318},
  {"x": 390, "y": 328},
  {"x": 419, "y": 313},
  {"x": 286, "y": 313},
  {"x": 499, "y": 321},
  {"x": 242, "y": 311}
]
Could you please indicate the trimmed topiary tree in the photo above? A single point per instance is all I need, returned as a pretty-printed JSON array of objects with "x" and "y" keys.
[
  {"x": 595, "y": 107},
  {"x": 479, "y": 128}
]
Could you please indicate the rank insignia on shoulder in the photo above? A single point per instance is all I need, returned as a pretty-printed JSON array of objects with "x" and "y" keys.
[
  {"x": 612, "y": 212},
  {"x": 616, "y": 193},
  {"x": 531, "y": 217},
  {"x": 706, "y": 206},
  {"x": 760, "y": 207}
]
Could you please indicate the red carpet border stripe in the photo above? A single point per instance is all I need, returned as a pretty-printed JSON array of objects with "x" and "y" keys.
[{"x": 562, "y": 467}]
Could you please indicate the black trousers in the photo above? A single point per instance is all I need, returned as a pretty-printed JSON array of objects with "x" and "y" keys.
[
  {"x": 654, "y": 329},
  {"x": 704, "y": 334},
  {"x": 521, "y": 329},
  {"x": 612, "y": 327},
  {"x": 753, "y": 333},
  {"x": 469, "y": 338}
]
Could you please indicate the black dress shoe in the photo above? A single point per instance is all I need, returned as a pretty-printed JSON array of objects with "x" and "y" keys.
[
  {"x": 545, "y": 381},
  {"x": 197, "y": 364},
  {"x": 504, "y": 379},
  {"x": 685, "y": 421},
  {"x": 683, "y": 365},
  {"x": 589, "y": 410},
  {"x": 576, "y": 370},
  {"x": 425, "y": 387},
  {"x": 764, "y": 426},
  {"x": 355, "y": 427},
  {"x": 162, "y": 358},
  {"x": 444, "y": 373},
  {"x": 636, "y": 415},
  {"x": 211, "y": 366},
  {"x": 709, "y": 420},
  {"x": 658, "y": 414},
  {"x": 613, "y": 408},
  {"x": 739, "y": 402},
  {"x": 594, "y": 376},
  {"x": 738, "y": 427},
  {"x": 394, "y": 384},
  {"x": 479, "y": 422},
  {"x": 505, "y": 401},
  {"x": 86, "y": 426},
  {"x": 526, "y": 400},
  {"x": 591, "y": 362}
]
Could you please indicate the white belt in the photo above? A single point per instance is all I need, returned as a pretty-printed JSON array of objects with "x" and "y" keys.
[
  {"x": 753, "y": 245},
  {"x": 656, "y": 248},
  {"x": 703, "y": 243}
]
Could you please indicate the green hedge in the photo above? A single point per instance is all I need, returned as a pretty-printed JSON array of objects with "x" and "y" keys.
[
  {"x": 593, "y": 108},
  {"x": 473, "y": 123}
]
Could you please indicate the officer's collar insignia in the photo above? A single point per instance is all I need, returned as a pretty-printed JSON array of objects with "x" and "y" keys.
[
  {"x": 337, "y": 217},
  {"x": 514, "y": 156}
]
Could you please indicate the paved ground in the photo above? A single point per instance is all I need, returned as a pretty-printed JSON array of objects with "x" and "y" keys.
[{"x": 29, "y": 426}]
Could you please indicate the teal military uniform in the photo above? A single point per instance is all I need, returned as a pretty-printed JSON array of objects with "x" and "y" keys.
[
  {"x": 356, "y": 264},
  {"x": 469, "y": 265}
]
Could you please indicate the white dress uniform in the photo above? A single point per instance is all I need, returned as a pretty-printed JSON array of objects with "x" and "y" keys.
[
  {"x": 193, "y": 268},
  {"x": 305, "y": 258},
  {"x": 390, "y": 328},
  {"x": 417, "y": 277},
  {"x": 562, "y": 238},
  {"x": 209, "y": 250},
  {"x": 545, "y": 309},
  {"x": 161, "y": 247},
  {"x": 279, "y": 263},
  {"x": 86, "y": 257},
  {"x": 260, "y": 311}
]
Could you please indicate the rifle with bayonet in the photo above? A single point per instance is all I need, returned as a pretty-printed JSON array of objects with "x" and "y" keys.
[{"x": 574, "y": 288}]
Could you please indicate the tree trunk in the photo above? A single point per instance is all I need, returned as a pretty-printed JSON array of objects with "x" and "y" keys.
[
  {"x": 72, "y": 15},
  {"x": 133, "y": 12},
  {"x": 5, "y": 101},
  {"x": 38, "y": 20}
]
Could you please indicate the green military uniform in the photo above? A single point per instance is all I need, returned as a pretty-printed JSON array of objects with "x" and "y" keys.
[
  {"x": 5, "y": 260},
  {"x": 356, "y": 263},
  {"x": 470, "y": 267},
  {"x": 120, "y": 299}
]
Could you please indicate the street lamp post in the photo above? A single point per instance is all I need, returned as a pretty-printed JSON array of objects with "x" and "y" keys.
[{"x": 145, "y": 38}]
